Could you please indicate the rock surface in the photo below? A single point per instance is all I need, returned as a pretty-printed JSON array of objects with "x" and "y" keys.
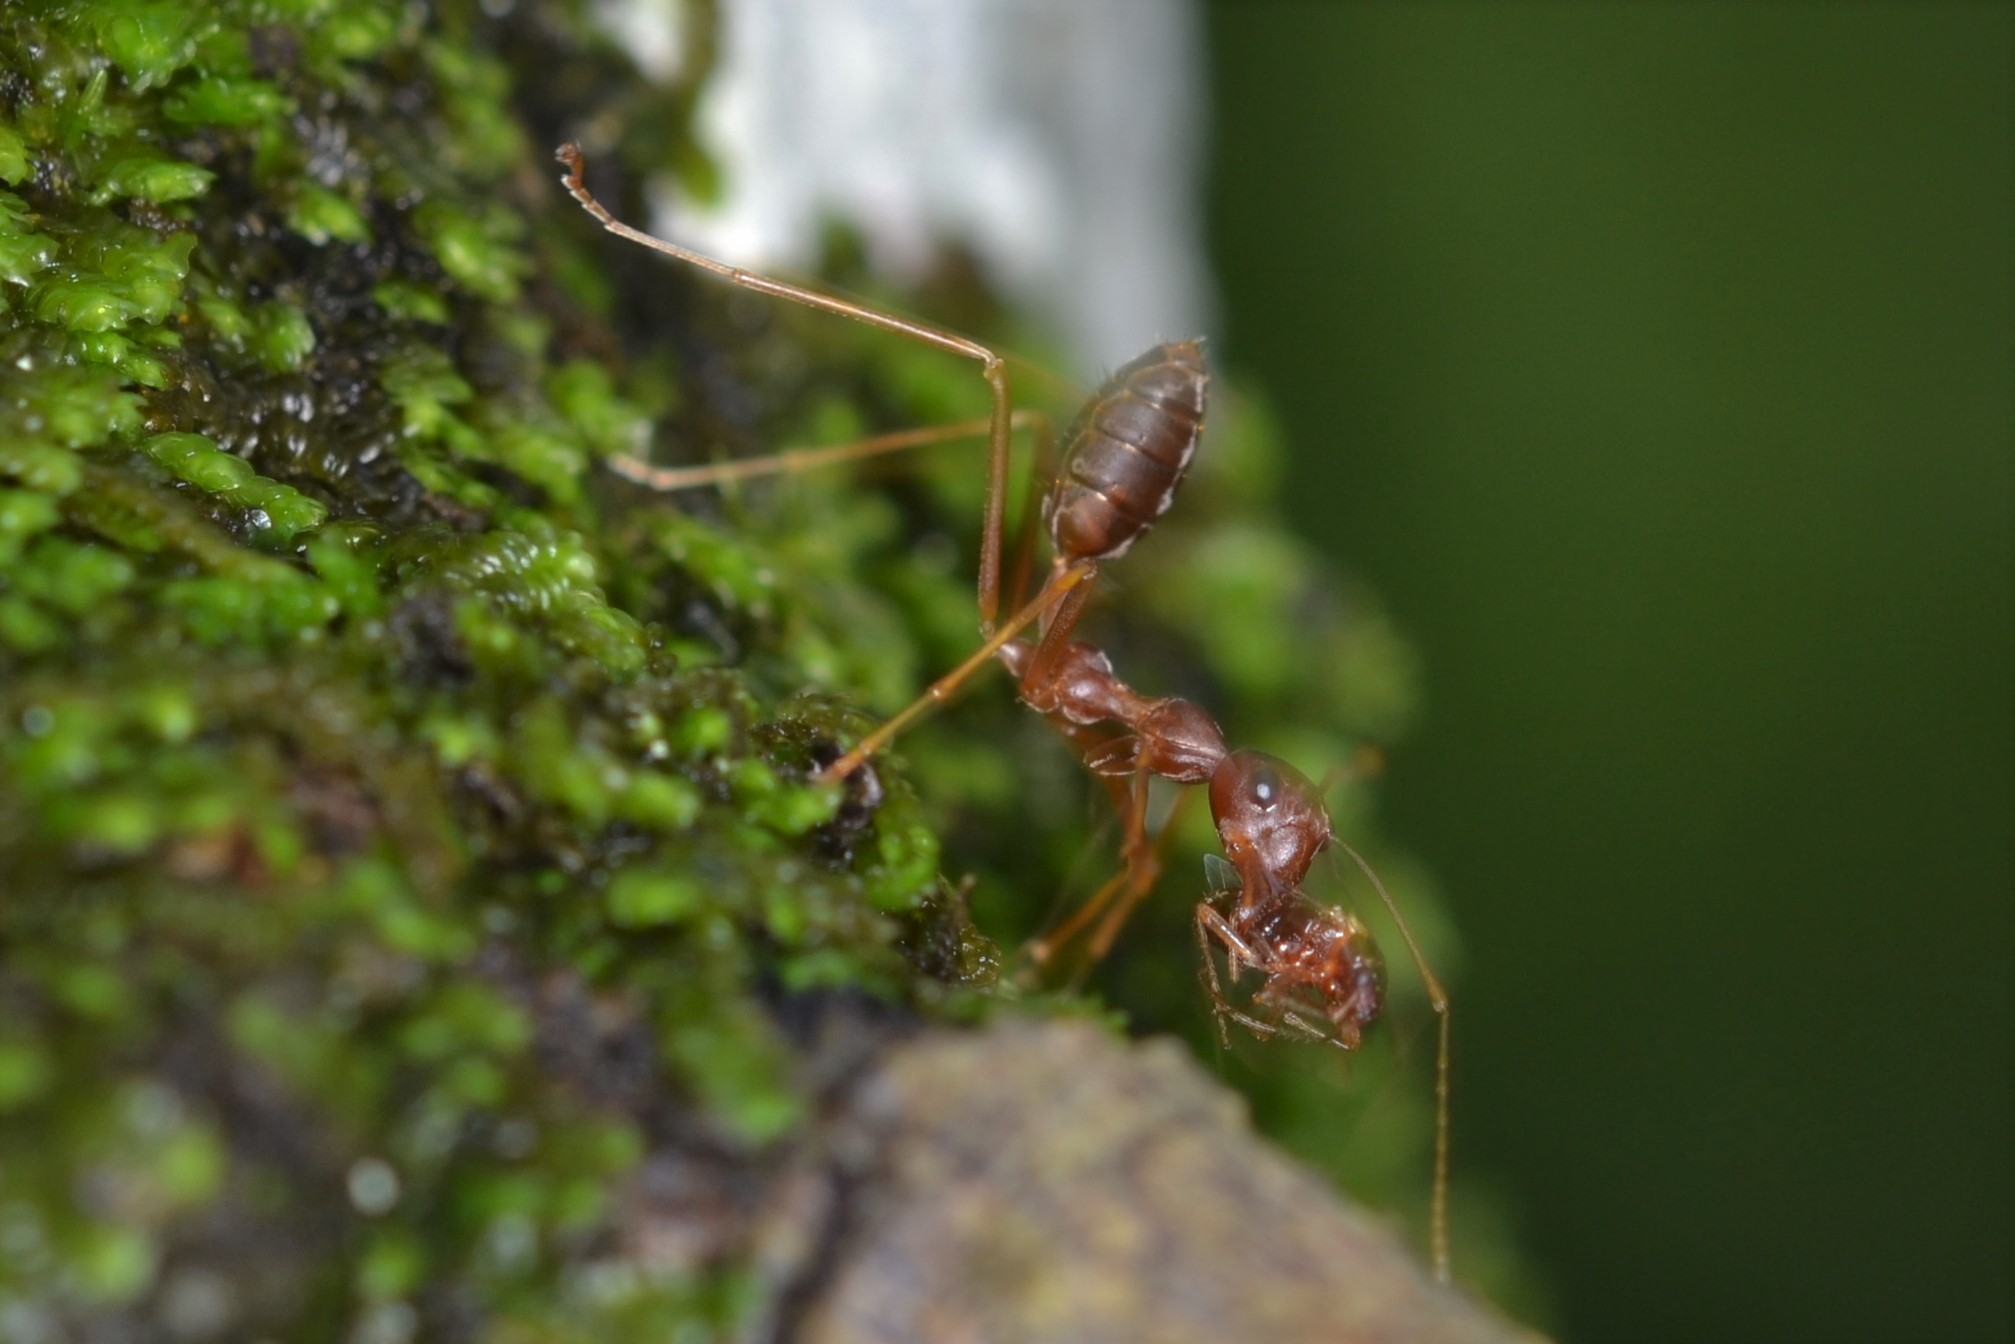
[{"x": 1042, "y": 1181}]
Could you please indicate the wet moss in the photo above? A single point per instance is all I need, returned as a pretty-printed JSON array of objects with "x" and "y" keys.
[
  {"x": 407, "y": 829},
  {"x": 329, "y": 761}
]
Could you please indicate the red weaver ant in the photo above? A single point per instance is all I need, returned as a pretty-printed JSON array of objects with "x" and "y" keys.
[
  {"x": 1319, "y": 963},
  {"x": 1123, "y": 459}
]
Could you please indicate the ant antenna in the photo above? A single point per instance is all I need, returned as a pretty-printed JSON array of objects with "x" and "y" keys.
[{"x": 1437, "y": 998}]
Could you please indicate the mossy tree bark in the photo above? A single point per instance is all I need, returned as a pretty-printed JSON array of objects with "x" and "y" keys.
[{"x": 418, "y": 917}]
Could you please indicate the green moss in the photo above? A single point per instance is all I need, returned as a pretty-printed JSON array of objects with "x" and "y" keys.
[
  {"x": 23, "y": 514},
  {"x": 279, "y": 337},
  {"x": 196, "y": 460},
  {"x": 13, "y": 159},
  {"x": 330, "y": 671},
  {"x": 475, "y": 249},
  {"x": 416, "y": 303},
  {"x": 643, "y": 897},
  {"x": 149, "y": 42},
  {"x": 145, "y": 176},
  {"x": 225, "y": 101},
  {"x": 25, "y": 1070},
  {"x": 24, "y": 252}
]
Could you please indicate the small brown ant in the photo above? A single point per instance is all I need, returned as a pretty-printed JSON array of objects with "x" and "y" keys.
[{"x": 1123, "y": 459}]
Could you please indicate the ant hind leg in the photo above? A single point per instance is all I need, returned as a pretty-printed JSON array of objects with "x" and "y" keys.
[
  {"x": 1143, "y": 869},
  {"x": 993, "y": 368},
  {"x": 1115, "y": 900},
  {"x": 791, "y": 461}
]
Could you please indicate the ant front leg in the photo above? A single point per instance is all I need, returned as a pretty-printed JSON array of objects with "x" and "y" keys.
[
  {"x": 1131, "y": 805},
  {"x": 1061, "y": 582}
]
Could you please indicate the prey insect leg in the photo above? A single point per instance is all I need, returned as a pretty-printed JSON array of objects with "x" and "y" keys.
[{"x": 1237, "y": 954}]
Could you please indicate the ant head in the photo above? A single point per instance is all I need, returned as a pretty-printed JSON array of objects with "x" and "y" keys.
[{"x": 1269, "y": 817}]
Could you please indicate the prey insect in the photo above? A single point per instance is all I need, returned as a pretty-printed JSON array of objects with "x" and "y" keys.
[{"x": 1121, "y": 463}]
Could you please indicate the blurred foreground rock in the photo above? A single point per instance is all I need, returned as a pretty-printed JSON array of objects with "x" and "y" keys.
[{"x": 1045, "y": 1182}]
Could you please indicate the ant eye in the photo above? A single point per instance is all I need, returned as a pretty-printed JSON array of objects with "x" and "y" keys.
[{"x": 1263, "y": 787}]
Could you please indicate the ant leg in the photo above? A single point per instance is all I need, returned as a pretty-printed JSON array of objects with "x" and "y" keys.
[
  {"x": 789, "y": 461},
  {"x": 799, "y": 459},
  {"x": 1302, "y": 1028},
  {"x": 1259, "y": 1026},
  {"x": 1141, "y": 873},
  {"x": 1143, "y": 865},
  {"x": 1042, "y": 465},
  {"x": 1062, "y": 583},
  {"x": 1437, "y": 998},
  {"x": 1141, "y": 855},
  {"x": 992, "y": 367},
  {"x": 1264, "y": 1029},
  {"x": 1056, "y": 633},
  {"x": 1238, "y": 955},
  {"x": 1042, "y": 950}
]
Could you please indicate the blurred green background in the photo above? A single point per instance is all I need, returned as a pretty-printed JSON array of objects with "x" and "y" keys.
[{"x": 1657, "y": 362}]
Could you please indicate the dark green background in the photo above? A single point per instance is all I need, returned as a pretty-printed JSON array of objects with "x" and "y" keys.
[{"x": 1655, "y": 361}]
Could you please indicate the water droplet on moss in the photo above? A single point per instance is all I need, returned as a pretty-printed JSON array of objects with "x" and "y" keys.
[{"x": 373, "y": 1186}]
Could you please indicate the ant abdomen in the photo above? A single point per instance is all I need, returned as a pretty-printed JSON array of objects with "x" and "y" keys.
[{"x": 1127, "y": 451}]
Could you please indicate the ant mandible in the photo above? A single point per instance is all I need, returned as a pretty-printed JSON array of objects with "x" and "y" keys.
[{"x": 1123, "y": 459}]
